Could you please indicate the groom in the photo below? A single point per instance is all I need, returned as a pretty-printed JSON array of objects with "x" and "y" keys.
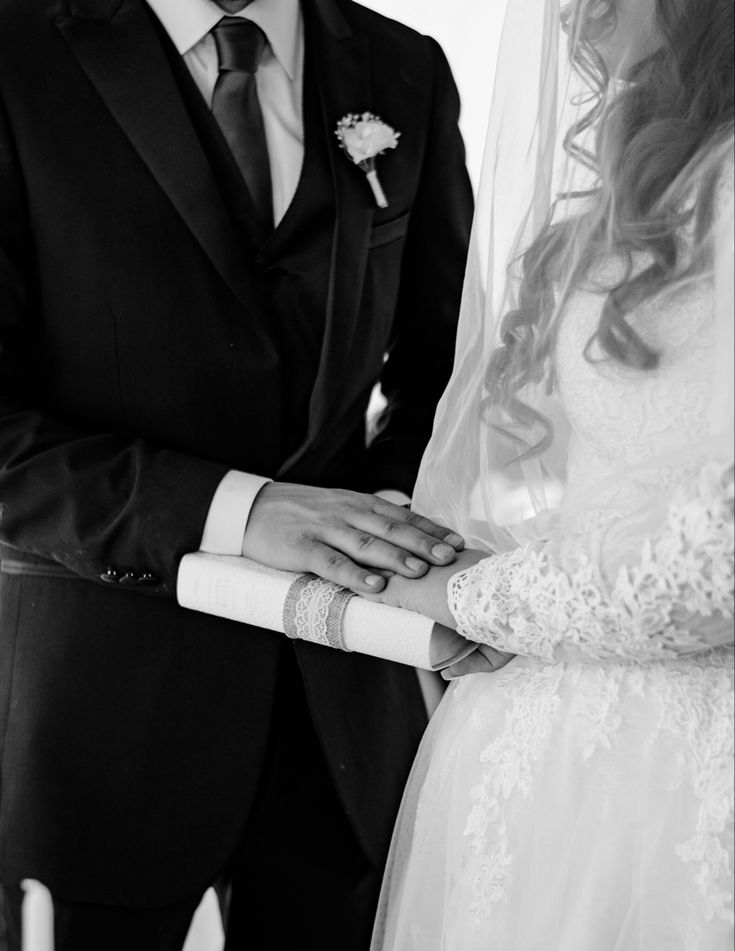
[{"x": 197, "y": 294}]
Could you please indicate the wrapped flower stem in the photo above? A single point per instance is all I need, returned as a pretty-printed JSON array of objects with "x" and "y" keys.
[{"x": 364, "y": 138}]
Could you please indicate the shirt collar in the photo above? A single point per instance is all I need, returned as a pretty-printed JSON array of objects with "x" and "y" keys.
[{"x": 187, "y": 22}]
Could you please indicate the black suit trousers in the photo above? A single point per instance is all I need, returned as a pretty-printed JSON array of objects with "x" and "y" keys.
[{"x": 297, "y": 879}]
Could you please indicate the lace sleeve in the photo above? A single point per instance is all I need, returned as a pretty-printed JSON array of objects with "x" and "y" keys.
[{"x": 667, "y": 591}]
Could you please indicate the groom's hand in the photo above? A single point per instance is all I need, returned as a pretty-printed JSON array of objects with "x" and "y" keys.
[{"x": 346, "y": 537}]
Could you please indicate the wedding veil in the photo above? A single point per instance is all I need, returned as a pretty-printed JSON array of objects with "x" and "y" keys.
[
  {"x": 611, "y": 542},
  {"x": 472, "y": 477}
]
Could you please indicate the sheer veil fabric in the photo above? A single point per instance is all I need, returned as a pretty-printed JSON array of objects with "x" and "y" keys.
[
  {"x": 467, "y": 478},
  {"x": 581, "y": 799}
]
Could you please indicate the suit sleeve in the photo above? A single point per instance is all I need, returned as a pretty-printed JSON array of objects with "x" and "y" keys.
[
  {"x": 420, "y": 358},
  {"x": 88, "y": 499}
]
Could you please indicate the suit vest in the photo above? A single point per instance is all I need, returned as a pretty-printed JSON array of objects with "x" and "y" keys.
[{"x": 293, "y": 263}]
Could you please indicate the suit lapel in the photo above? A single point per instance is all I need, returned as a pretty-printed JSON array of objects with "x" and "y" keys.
[
  {"x": 342, "y": 60},
  {"x": 116, "y": 45}
]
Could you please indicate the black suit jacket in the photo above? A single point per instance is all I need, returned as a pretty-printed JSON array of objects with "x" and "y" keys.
[{"x": 137, "y": 366}]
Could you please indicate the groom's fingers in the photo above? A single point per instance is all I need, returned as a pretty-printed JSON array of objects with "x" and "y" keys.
[
  {"x": 423, "y": 526},
  {"x": 369, "y": 550},
  {"x": 344, "y": 536},
  {"x": 335, "y": 566},
  {"x": 398, "y": 541}
]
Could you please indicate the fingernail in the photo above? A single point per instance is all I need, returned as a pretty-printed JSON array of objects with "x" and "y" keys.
[
  {"x": 415, "y": 564},
  {"x": 373, "y": 580},
  {"x": 442, "y": 551},
  {"x": 455, "y": 540}
]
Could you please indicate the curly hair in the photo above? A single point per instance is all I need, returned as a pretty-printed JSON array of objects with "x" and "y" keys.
[{"x": 654, "y": 137}]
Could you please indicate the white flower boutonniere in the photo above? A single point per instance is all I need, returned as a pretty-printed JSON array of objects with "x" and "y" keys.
[{"x": 365, "y": 137}]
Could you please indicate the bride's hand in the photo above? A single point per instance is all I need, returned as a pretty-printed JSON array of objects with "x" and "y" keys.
[
  {"x": 485, "y": 660},
  {"x": 428, "y": 595}
]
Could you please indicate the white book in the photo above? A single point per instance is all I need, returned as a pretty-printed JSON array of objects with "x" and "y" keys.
[{"x": 242, "y": 590}]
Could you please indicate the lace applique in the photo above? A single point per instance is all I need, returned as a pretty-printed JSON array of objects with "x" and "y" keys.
[
  {"x": 507, "y": 771},
  {"x": 620, "y": 414},
  {"x": 696, "y": 704},
  {"x": 599, "y": 705},
  {"x": 693, "y": 702},
  {"x": 705, "y": 763},
  {"x": 674, "y": 600}
]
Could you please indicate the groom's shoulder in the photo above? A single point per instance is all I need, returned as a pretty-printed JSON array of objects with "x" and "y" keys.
[{"x": 390, "y": 35}]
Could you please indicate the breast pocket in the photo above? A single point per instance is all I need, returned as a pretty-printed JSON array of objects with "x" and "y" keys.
[{"x": 389, "y": 231}]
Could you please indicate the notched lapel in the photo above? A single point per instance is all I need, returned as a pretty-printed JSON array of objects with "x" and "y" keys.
[{"x": 117, "y": 47}]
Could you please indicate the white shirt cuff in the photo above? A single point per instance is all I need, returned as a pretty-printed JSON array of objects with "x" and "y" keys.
[
  {"x": 229, "y": 512},
  {"x": 393, "y": 495}
]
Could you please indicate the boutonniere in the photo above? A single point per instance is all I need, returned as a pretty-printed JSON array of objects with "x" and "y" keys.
[{"x": 363, "y": 139}]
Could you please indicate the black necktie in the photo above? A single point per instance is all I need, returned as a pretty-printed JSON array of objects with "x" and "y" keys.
[{"x": 235, "y": 105}]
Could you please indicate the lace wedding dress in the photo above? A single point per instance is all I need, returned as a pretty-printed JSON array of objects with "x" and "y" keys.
[{"x": 581, "y": 799}]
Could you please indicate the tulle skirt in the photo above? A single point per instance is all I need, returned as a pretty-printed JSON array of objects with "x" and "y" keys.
[{"x": 570, "y": 808}]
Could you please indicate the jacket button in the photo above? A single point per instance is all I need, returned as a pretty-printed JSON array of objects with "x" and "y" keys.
[
  {"x": 129, "y": 579},
  {"x": 147, "y": 577},
  {"x": 110, "y": 576}
]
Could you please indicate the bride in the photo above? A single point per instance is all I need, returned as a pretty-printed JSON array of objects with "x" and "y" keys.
[{"x": 574, "y": 792}]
